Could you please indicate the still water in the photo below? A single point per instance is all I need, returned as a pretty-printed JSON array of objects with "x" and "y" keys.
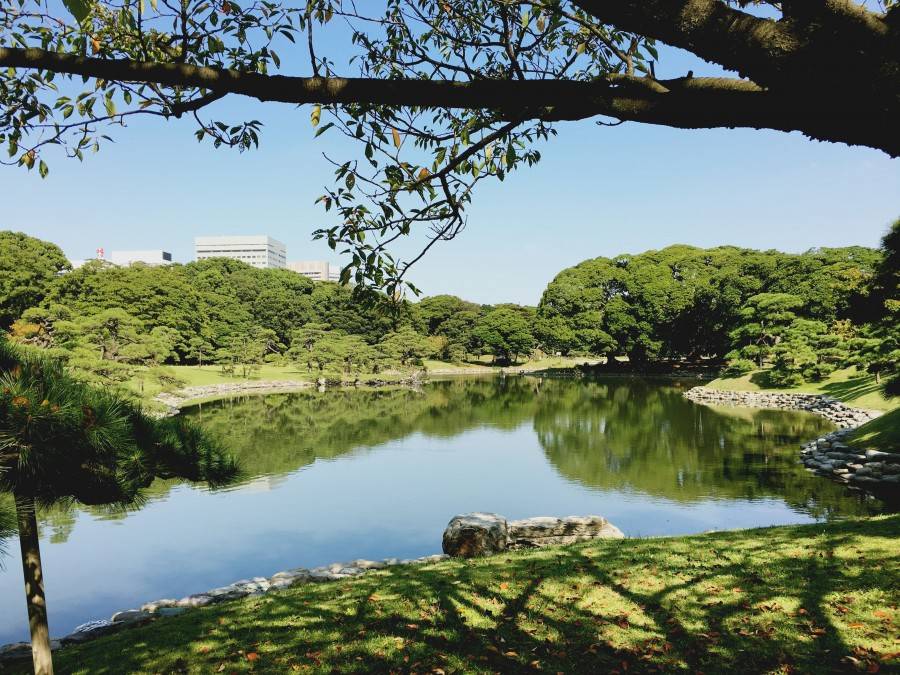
[{"x": 378, "y": 473}]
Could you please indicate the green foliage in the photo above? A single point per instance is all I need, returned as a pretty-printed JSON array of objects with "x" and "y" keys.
[
  {"x": 28, "y": 268},
  {"x": 405, "y": 346},
  {"x": 684, "y": 301},
  {"x": 65, "y": 440},
  {"x": 505, "y": 333}
]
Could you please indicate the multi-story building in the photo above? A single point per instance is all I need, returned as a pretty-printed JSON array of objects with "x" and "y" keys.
[
  {"x": 126, "y": 258},
  {"x": 259, "y": 251},
  {"x": 317, "y": 270}
]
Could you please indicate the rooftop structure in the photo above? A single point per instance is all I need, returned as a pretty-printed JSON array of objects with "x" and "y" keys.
[
  {"x": 317, "y": 270},
  {"x": 258, "y": 250},
  {"x": 149, "y": 257}
]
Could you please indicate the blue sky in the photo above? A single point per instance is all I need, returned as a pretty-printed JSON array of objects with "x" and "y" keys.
[{"x": 598, "y": 191}]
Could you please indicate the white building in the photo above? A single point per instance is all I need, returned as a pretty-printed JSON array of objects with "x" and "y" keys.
[
  {"x": 126, "y": 258},
  {"x": 259, "y": 251},
  {"x": 317, "y": 270}
]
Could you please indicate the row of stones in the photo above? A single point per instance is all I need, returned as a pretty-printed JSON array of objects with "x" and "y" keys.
[
  {"x": 157, "y": 609},
  {"x": 828, "y": 407},
  {"x": 871, "y": 469},
  {"x": 177, "y": 399}
]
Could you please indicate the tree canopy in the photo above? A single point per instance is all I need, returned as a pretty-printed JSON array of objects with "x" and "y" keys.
[
  {"x": 684, "y": 301},
  {"x": 28, "y": 267},
  {"x": 440, "y": 94}
]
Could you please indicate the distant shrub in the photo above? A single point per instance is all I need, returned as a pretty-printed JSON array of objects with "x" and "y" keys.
[{"x": 738, "y": 367}]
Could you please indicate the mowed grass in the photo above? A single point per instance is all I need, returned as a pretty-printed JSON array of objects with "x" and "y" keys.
[
  {"x": 882, "y": 433},
  {"x": 193, "y": 376},
  {"x": 849, "y": 385},
  {"x": 808, "y": 599}
]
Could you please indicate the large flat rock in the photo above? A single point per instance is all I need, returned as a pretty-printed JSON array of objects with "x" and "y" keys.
[
  {"x": 549, "y": 531},
  {"x": 478, "y": 534}
]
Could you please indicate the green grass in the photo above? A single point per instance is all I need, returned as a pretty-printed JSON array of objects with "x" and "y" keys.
[
  {"x": 882, "y": 433},
  {"x": 809, "y": 599},
  {"x": 197, "y": 376},
  {"x": 848, "y": 385}
]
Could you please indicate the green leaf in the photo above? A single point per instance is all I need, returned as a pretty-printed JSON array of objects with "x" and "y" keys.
[
  {"x": 78, "y": 8},
  {"x": 42, "y": 169}
]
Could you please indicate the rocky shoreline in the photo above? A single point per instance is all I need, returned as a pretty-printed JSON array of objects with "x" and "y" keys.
[
  {"x": 828, "y": 407},
  {"x": 466, "y": 536},
  {"x": 829, "y": 456},
  {"x": 159, "y": 609}
]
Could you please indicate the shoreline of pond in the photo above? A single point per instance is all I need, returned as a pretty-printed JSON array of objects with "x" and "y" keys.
[{"x": 832, "y": 455}]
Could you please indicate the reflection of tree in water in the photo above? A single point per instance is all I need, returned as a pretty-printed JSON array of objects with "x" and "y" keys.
[
  {"x": 629, "y": 434},
  {"x": 614, "y": 433}
]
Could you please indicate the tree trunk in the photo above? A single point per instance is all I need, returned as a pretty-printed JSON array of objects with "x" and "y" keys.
[{"x": 34, "y": 586}]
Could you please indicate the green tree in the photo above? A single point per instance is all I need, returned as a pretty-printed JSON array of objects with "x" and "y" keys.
[
  {"x": 506, "y": 333},
  {"x": 405, "y": 346},
  {"x": 765, "y": 320},
  {"x": 63, "y": 440},
  {"x": 198, "y": 349},
  {"x": 28, "y": 268},
  {"x": 808, "y": 350}
]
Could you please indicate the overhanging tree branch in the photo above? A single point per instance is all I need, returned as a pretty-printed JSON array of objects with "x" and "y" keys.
[{"x": 688, "y": 103}]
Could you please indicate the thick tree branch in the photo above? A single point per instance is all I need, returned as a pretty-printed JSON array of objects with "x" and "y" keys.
[
  {"x": 817, "y": 37},
  {"x": 689, "y": 103}
]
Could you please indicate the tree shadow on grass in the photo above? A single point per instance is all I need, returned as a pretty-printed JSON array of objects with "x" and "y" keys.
[{"x": 745, "y": 602}]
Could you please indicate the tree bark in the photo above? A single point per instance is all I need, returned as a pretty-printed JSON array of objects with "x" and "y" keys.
[{"x": 34, "y": 586}]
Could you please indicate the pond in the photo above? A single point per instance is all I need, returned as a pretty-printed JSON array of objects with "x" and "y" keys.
[{"x": 347, "y": 474}]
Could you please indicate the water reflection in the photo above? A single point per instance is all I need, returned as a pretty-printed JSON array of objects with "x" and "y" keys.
[{"x": 345, "y": 474}]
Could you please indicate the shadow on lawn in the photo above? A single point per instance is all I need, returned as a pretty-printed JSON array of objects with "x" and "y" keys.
[{"x": 762, "y": 602}]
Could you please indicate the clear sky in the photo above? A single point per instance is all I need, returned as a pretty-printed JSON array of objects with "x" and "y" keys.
[{"x": 598, "y": 191}]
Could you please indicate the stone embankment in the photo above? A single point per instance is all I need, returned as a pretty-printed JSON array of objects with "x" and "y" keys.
[
  {"x": 828, "y": 407},
  {"x": 871, "y": 470},
  {"x": 159, "y": 609},
  {"x": 478, "y": 534},
  {"x": 175, "y": 400}
]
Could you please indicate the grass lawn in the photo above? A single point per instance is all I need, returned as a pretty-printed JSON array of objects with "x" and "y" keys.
[
  {"x": 212, "y": 374},
  {"x": 196, "y": 376},
  {"x": 810, "y": 599},
  {"x": 882, "y": 433},
  {"x": 849, "y": 385}
]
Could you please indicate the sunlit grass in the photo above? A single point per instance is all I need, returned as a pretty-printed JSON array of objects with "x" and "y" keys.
[
  {"x": 807, "y": 599},
  {"x": 850, "y": 385}
]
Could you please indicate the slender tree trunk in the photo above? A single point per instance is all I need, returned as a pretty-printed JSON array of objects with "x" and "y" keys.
[{"x": 34, "y": 586}]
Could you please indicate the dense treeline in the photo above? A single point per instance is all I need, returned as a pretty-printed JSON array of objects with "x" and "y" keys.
[
  {"x": 107, "y": 320},
  {"x": 799, "y": 316},
  {"x": 803, "y": 314}
]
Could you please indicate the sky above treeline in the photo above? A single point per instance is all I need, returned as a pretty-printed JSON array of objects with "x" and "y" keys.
[{"x": 598, "y": 191}]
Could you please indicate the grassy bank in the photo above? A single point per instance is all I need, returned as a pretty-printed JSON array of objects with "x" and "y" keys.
[
  {"x": 193, "y": 376},
  {"x": 882, "y": 433},
  {"x": 810, "y": 599},
  {"x": 849, "y": 385}
]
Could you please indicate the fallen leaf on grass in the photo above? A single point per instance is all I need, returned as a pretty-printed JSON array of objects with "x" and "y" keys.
[{"x": 252, "y": 656}]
